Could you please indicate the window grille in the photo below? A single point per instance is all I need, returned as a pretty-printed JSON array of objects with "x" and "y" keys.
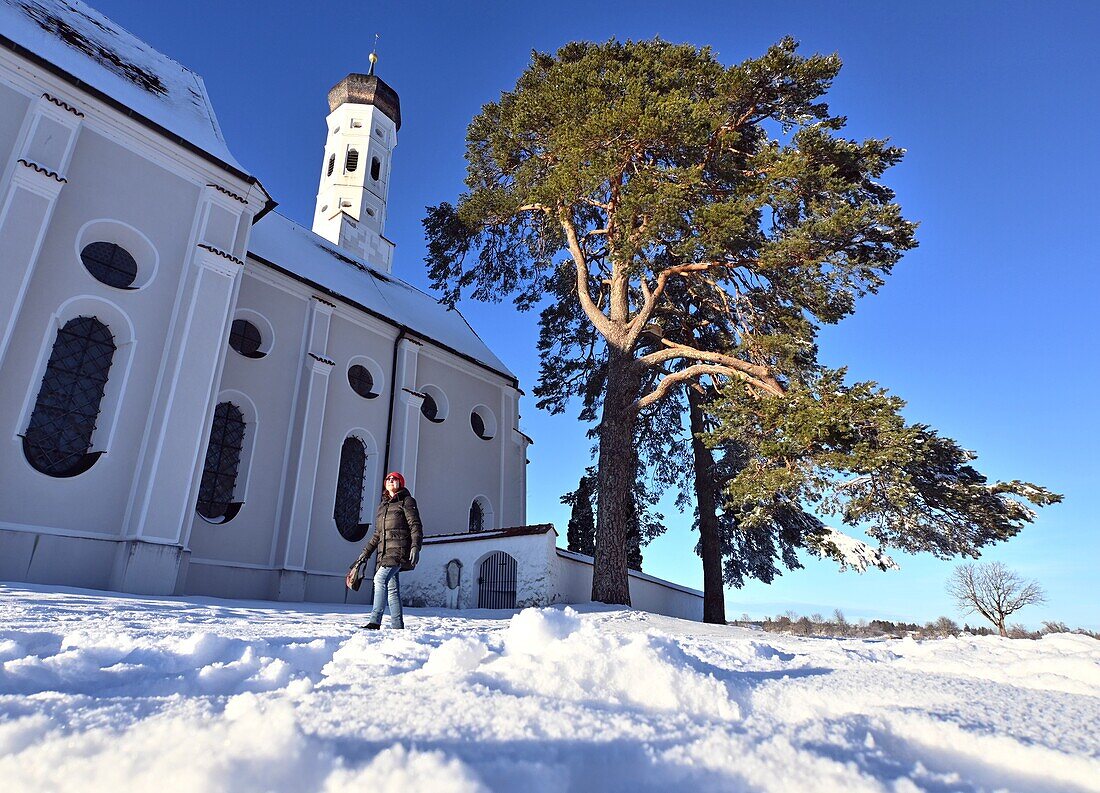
[
  {"x": 361, "y": 381},
  {"x": 352, "y": 162},
  {"x": 331, "y": 164},
  {"x": 477, "y": 423},
  {"x": 59, "y": 434},
  {"x": 430, "y": 409},
  {"x": 245, "y": 338},
  {"x": 375, "y": 168},
  {"x": 477, "y": 516},
  {"x": 110, "y": 264},
  {"x": 223, "y": 460},
  {"x": 349, "y": 490}
]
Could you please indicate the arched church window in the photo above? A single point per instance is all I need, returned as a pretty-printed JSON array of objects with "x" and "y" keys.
[
  {"x": 375, "y": 168},
  {"x": 245, "y": 338},
  {"x": 349, "y": 490},
  {"x": 477, "y": 516},
  {"x": 352, "y": 162},
  {"x": 331, "y": 164},
  {"x": 59, "y": 435},
  {"x": 362, "y": 382},
  {"x": 223, "y": 461},
  {"x": 110, "y": 264}
]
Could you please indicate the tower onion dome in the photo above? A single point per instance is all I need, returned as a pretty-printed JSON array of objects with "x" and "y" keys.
[{"x": 366, "y": 89}]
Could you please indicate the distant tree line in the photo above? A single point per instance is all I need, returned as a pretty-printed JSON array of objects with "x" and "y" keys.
[{"x": 838, "y": 626}]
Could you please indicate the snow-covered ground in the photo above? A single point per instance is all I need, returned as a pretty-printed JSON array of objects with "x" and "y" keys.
[{"x": 102, "y": 692}]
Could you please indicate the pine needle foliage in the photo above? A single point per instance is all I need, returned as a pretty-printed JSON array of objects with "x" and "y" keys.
[{"x": 617, "y": 175}]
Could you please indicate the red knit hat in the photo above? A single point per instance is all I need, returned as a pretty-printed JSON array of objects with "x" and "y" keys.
[{"x": 397, "y": 475}]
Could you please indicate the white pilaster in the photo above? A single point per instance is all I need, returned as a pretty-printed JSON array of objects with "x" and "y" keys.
[
  {"x": 35, "y": 176},
  {"x": 302, "y": 474},
  {"x": 171, "y": 459},
  {"x": 405, "y": 433}
]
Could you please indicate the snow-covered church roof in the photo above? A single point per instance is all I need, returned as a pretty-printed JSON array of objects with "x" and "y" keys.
[
  {"x": 92, "y": 51},
  {"x": 302, "y": 254}
]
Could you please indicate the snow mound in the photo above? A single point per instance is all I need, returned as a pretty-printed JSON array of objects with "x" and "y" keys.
[
  {"x": 397, "y": 770},
  {"x": 551, "y": 653},
  {"x": 456, "y": 656},
  {"x": 533, "y": 630}
]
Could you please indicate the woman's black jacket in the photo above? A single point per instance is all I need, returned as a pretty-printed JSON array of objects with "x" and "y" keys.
[{"x": 397, "y": 529}]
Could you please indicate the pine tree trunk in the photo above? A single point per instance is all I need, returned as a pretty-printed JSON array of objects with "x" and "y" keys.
[
  {"x": 610, "y": 580},
  {"x": 714, "y": 601}
]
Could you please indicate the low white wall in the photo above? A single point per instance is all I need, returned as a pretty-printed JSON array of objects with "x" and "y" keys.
[
  {"x": 534, "y": 555},
  {"x": 573, "y": 578}
]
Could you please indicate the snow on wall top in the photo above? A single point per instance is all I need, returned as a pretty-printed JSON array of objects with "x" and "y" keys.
[
  {"x": 302, "y": 253},
  {"x": 94, "y": 50}
]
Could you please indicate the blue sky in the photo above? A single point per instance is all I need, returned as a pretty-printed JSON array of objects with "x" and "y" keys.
[{"x": 984, "y": 329}]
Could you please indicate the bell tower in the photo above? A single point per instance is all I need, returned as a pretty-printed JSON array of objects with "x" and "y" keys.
[{"x": 364, "y": 117}]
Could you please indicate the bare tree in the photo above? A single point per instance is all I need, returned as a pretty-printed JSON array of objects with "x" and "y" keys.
[{"x": 993, "y": 591}]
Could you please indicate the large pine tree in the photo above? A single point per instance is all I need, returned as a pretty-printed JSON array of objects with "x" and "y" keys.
[{"x": 616, "y": 173}]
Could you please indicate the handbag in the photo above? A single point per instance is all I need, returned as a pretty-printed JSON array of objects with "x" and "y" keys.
[{"x": 356, "y": 573}]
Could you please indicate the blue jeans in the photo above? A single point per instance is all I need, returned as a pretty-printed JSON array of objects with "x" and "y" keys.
[{"x": 386, "y": 580}]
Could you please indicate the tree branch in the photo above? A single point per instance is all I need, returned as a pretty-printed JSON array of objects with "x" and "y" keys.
[
  {"x": 682, "y": 376},
  {"x": 754, "y": 374},
  {"x": 591, "y": 310}
]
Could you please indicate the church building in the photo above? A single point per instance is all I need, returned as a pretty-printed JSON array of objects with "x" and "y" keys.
[{"x": 201, "y": 396}]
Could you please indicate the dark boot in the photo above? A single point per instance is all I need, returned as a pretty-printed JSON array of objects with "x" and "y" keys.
[{"x": 371, "y": 626}]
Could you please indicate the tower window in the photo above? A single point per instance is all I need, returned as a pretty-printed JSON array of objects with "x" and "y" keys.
[
  {"x": 352, "y": 161},
  {"x": 110, "y": 264},
  {"x": 245, "y": 338},
  {"x": 375, "y": 168},
  {"x": 59, "y": 435},
  {"x": 223, "y": 460},
  {"x": 331, "y": 164},
  {"x": 356, "y": 123}
]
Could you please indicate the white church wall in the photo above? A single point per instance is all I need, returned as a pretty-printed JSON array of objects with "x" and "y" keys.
[
  {"x": 269, "y": 383},
  {"x": 454, "y": 466},
  {"x": 13, "y": 109},
  {"x": 354, "y": 338},
  {"x": 115, "y": 181},
  {"x": 62, "y": 288}
]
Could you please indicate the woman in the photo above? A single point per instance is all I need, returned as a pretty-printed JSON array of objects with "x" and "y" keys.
[{"x": 397, "y": 537}]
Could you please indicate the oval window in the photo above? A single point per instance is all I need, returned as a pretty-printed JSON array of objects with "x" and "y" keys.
[
  {"x": 110, "y": 264},
  {"x": 362, "y": 382},
  {"x": 245, "y": 338},
  {"x": 352, "y": 162},
  {"x": 430, "y": 409}
]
